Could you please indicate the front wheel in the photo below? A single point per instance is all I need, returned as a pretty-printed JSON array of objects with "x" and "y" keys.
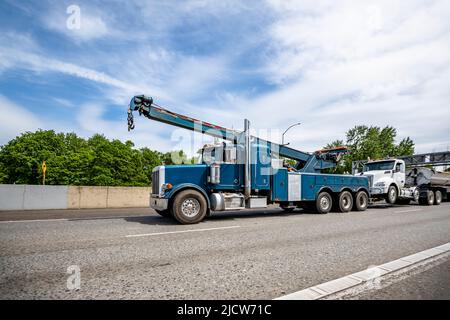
[
  {"x": 189, "y": 206},
  {"x": 392, "y": 195}
]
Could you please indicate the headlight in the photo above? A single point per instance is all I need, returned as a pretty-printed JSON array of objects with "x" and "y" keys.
[{"x": 380, "y": 184}]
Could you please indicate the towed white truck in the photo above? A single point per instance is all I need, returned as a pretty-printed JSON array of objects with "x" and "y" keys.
[{"x": 389, "y": 180}]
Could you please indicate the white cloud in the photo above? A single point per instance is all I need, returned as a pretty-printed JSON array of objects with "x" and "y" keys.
[
  {"x": 340, "y": 64},
  {"x": 15, "y": 120},
  {"x": 63, "y": 102},
  {"x": 334, "y": 64},
  {"x": 28, "y": 55},
  {"x": 91, "y": 120}
]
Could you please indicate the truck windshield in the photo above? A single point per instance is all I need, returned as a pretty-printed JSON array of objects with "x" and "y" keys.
[{"x": 384, "y": 165}]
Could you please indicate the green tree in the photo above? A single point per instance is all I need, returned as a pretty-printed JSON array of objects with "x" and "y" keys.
[
  {"x": 70, "y": 166},
  {"x": 405, "y": 147},
  {"x": 371, "y": 142},
  {"x": 72, "y": 160},
  {"x": 116, "y": 163},
  {"x": 175, "y": 157},
  {"x": 22, "y": 157},
  {"x": 150, "y": 160}
]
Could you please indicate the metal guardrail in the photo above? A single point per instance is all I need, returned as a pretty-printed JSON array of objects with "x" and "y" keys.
[{"x": 418, "y": 160}]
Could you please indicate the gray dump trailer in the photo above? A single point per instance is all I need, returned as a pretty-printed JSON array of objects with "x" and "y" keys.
[{"x": 433, "y": 186}]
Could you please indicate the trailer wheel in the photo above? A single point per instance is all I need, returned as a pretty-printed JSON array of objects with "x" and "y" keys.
[
  {"x": 437, "y": 197},
  {"x": 428, "y": 200},
  {"x": 345, "y": 201},
  {"x": 189, "y": 206},
  {"x": 416, "y": 195},
  {"x": 163, "y": 213},
  {"x": 392, "y": 195},
  {"x": 324, "y": 202},
  {"x": 361, "y": 201}
]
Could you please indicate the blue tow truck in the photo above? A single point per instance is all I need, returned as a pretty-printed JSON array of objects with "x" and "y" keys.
[{"x": 246, "y": 173}]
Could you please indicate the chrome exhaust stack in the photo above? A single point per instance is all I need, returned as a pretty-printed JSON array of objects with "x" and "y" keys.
[{"x": 248, "y": 167}]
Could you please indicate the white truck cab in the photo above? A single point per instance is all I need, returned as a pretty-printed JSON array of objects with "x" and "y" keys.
[{"x": 387, "y": 181}]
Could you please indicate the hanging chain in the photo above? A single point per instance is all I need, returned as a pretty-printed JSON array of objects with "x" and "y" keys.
[
  {"x": 130, "y": 120},
  {"x": 142, "y": 104}
]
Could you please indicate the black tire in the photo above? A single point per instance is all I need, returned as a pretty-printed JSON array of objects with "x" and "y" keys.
[
  {"x": 163, "y": 213},
  {"x": 324, "y": 203},
  {"x": 437, "y": 197},
  {"x": 416, "y": 195},
  {"x": 189, "y": 207},
  {"x": 428, "y": 200},
  {"x": 392, "y": 195},
  {"x": 361, "y": 201},
  {"x": 345, "y": 201}
]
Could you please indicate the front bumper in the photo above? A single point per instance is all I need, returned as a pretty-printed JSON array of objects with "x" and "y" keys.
[
  {"x": 159, "y": 203},
  {"x": 377, "y": 191}
]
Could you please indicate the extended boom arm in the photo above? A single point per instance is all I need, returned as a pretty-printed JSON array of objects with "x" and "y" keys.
[{"x": 310, "y": 162}]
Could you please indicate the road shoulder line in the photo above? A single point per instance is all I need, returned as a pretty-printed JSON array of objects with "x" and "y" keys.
[{"x": 360, "y": 278}]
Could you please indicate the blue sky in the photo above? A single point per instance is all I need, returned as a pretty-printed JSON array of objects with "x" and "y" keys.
[{"x": 328, "y": 64}]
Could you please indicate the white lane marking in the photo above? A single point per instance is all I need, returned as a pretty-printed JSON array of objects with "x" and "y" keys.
[
  {"x": 355, "y": 279},
  {"x": 180, "y": 231},
  {"x": 41, "y": 220},
  {"x": 410, "y": 210},
  {"x": 72, "y": 219}
]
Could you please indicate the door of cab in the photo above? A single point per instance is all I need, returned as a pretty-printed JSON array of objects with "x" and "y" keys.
[{"x": 399, "y": 173}]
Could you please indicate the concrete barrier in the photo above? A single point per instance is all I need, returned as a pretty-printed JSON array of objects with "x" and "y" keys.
[
  {"x": 11, "y": 196},
  {"x": 87, "y": 197},
  {"x": 120, "y": 197},
  {"x": 32, "y": 197},
  {"x": 45, "y": 197}
]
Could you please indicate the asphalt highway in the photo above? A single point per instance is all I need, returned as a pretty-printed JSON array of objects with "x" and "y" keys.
[{"x": 259, "y": 254}]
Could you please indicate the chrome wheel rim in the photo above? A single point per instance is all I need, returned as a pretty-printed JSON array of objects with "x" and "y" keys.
[
  {"x": 416, "y": 195},
  {"x": 190, "y": 207},
  {"x": 392, "y": 194},
  {"x": 324, "y": 203},
  {"x": 362, "y": 201},
  {"x": 346, "y": 202}
]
